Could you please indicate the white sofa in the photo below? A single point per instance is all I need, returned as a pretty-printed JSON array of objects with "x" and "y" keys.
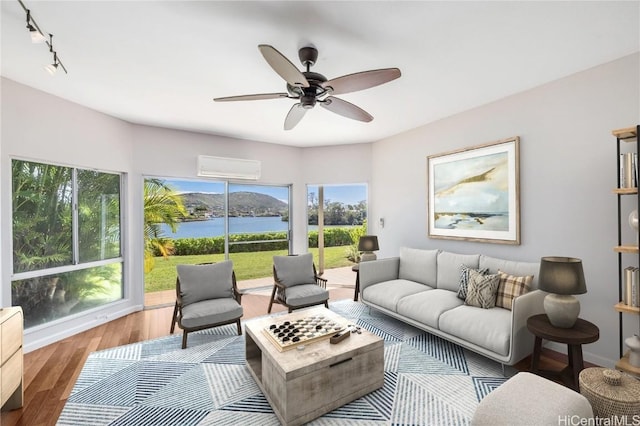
[{"x": 420, "y": 288}]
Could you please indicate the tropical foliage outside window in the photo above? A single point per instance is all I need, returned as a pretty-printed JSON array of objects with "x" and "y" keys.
[{"x": 66, "y": 240}]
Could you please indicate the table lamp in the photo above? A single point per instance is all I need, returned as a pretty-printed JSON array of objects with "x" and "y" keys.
[
  {"x": 561, "y": 277},
  {"x": 367, "y": 245}
]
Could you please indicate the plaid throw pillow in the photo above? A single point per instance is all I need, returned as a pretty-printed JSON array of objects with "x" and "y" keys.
[
  {"x": 511, "y": 287},
  {"x": 482, "y": 290},
  {"x": 464, "y": 280}
]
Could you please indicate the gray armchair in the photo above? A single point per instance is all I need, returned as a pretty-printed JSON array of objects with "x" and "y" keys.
[
  {"x": 206, "y": 297},
  {"x": 296, "y": 284}
]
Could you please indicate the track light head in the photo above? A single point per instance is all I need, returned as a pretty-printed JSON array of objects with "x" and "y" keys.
[
  {"x": 52, "y": 68},
  {"x": 36, "y": 36}
]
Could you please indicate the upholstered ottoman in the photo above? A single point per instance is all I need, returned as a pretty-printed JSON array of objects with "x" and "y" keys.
[{"x": 529, "y": 399}]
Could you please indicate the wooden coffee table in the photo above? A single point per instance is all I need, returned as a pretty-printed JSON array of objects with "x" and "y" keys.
[{"x": 303, "y": 384}]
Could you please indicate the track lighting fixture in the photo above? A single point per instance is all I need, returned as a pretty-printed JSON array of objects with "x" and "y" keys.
[
  {"x": 37, "y": 36},
  {"x": 53, "y": 67}
]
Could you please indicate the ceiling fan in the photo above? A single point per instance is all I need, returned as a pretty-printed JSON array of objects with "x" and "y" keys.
[{"x": 311, "y": 87}]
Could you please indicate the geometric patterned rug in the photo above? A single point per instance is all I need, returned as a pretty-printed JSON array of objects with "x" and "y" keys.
[{"x": 428, "y": 381}]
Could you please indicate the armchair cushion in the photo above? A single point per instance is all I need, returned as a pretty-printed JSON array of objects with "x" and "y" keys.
[
  {"x": 204, "y": 282},
  {"x": 207, "y": 312},
  {"x": 306, "y": 294},
  {"x": 294, "y": 270}
]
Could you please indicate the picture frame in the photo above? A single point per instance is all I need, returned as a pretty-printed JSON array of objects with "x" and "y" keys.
[{"x": 474, "y": 193}]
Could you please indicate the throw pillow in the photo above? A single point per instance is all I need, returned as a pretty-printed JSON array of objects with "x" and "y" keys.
[
  {"x": 511, "y": 287},
  {"x": 464, "y": 280},
  {"x": 482, "y": 289}
]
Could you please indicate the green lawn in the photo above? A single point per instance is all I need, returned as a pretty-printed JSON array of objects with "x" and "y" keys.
[{"x": 246, "y": 265}]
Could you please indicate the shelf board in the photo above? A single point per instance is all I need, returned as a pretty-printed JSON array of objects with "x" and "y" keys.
[
  {"x": 626, "y": 249},
  {"x": 627, "y": 134},
  {"x": 621, "y": 307},
  {"x": 624, "y": 191},
  {"x": 624, "y": 365}
]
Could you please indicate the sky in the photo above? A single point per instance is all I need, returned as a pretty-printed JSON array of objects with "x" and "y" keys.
[{"x": 347, "y": 194}]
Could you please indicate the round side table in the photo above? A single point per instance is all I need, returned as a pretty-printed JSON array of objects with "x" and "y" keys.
[{"x": 581, "y": 333}]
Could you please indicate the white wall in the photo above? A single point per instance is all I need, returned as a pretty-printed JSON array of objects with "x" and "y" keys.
[
  {"x": 40, "y": 127},
  {"x": 567, "y": 173}
]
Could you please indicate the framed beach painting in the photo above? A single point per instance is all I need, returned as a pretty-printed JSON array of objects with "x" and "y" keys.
[{"x": 474, "y": 193}]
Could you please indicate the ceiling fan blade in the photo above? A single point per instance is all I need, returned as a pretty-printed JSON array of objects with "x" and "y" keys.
[
  {"x": 294, "y": 116},
  {"x": 257, "y": 97},
  {"x": 346, "y": 109},
  {"x": 361, "y": 80},
  {"x": 283, "y": 66}
]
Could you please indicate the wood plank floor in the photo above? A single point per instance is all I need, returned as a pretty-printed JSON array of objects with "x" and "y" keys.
[{"x": 51, "y": 372}]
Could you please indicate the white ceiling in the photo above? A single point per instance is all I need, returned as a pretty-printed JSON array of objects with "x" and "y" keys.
[{"x": 160, "y": 63}]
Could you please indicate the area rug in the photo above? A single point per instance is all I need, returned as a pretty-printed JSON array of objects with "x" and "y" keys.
[{"x": 428, "y": 381}]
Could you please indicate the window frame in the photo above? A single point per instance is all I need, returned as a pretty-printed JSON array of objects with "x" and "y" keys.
[{"x": 76, "y": 264}]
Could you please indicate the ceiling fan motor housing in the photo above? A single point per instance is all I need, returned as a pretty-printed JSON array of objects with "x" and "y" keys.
[{"x": 308, "y": 55}]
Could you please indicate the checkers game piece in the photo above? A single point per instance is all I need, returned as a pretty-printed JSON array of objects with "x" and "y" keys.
[{"x": 289, "y": 334}]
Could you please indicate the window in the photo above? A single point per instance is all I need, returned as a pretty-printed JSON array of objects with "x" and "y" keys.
[
  {"x": 247, "y": 223},
  {"x": 66, "y": 240}
]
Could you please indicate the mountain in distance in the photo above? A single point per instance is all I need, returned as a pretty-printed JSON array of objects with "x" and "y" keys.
[{"x": 204, "y": 205}]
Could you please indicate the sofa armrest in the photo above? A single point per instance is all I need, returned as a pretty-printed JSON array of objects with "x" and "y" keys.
[
  {"x": 377, "y": 271},
  {"x": 521, "y": 339}
]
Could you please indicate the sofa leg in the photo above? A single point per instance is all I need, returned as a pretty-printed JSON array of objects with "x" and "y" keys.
[
  {"x": 239, "y": 328},
  {"x": 503, "y": 372}
]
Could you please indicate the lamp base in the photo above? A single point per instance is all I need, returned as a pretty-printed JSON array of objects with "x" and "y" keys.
[
  {"x": 367, "y": 256},
  {"x": 562, "y": 309}
]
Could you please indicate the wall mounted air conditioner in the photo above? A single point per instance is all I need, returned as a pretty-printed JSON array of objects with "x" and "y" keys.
[{"x": 228, "y": 168}]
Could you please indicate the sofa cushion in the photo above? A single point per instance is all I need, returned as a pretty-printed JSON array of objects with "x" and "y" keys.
[
  {"x": 488, "y": 328},
  {"x": 464, "y": 280},
  {"x": 204, "y": 282},
  {"x": 388, "y": 293},
  {"x": 511, "y": 287},
  {"x": 482, "y": 289},
  {"x": 418, "y": 265},
  {"x": 426, "y": 307},
  {"x": 448, "y": 276},
  {"x": 512, "y": 268}
]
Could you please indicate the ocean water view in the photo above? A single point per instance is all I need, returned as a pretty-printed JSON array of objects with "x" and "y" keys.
[{"x": 215, "y": 227}]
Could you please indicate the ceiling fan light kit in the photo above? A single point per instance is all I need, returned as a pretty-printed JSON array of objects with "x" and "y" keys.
[
  {"x": 311, "y": 88},
  {"x": 37, "y": 36}
]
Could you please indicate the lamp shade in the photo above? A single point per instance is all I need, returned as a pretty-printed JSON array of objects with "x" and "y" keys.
[
  {"x": 561, "y": 275},
  {"x": 368, "y": 243}
]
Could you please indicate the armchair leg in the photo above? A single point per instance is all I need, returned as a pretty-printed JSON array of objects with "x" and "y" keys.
[
  {"x": 273, "y": 294},
  {"x": 326, "y": 304},
  {"x": 239, "y": 327},
  {"x": 174, "y": 319},
  {"x": 184, "y": 340}
]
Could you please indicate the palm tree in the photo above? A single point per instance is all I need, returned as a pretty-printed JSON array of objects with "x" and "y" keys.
[{"x": 161, "y": 205}]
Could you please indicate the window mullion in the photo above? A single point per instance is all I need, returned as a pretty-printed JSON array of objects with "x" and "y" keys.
[
  {"x": 74, "y": 218},
  {"x": 226, "y": 220}
]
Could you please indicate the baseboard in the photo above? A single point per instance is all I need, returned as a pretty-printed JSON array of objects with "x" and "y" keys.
[
  {"x": 587, "y": 356},
  {"x": 43, "y": 336}
]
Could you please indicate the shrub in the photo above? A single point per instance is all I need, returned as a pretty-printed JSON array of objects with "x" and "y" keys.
[{"x": 333, "y": 237}]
